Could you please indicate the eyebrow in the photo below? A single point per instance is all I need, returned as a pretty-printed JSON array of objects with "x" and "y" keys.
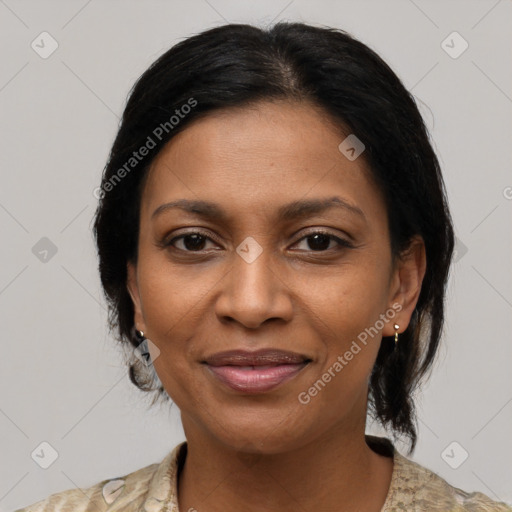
[{"x": 291, "y": 211}]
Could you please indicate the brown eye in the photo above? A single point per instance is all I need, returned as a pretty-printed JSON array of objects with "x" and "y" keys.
[
  {"x": 317, "y": 241},
  {"x": 191, "y": 242},
  {"x": 320, "y": 241}
]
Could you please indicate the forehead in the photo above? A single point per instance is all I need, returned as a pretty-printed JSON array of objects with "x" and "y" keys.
[{"x": 255, "y": 158}]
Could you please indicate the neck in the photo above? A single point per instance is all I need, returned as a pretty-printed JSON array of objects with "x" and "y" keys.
[{"x": 337, "y": 471}]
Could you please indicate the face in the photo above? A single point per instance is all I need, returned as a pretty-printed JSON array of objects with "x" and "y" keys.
[{"x": 259, "y": 270}]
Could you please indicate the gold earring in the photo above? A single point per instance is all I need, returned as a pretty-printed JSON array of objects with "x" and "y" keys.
[{"x": 396, "y": 326}]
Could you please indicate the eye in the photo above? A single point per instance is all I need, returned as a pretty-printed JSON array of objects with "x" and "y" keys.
[
  {"x": 191, "y": 242},
  {"x": 320, "y": 241}
]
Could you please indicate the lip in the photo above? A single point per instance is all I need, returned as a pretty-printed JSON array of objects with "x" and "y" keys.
[
  {"x": 260, "y": 357},
  {"x": 255, "y": 371}
]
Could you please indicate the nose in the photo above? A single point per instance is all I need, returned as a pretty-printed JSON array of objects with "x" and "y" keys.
[{"x": 255, "y": 290}]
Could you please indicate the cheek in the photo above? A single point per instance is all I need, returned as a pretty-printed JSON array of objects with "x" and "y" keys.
[
  {"x": 349, "y": 299},
  {"x": 340, "y": 386},
  {"x": 349, "y": 308},
  {"x": 173, "y": 304},
  {"x": 171, "y": 296},
  {"x": 166, "y": 308}
]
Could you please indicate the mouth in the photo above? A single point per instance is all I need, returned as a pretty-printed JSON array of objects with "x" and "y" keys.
[{"x": 255, "y": 372}]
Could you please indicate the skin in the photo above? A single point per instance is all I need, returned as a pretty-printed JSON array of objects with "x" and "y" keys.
[{"x": 269, "y": 452}]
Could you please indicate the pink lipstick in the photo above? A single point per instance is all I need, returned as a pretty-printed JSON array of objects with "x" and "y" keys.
[{"x": 255, "y": 372}]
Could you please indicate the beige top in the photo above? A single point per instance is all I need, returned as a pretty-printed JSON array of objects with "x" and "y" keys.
[{"x": 154, "y": 489}]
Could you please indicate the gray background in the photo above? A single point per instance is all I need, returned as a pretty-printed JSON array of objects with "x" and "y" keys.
[{"x": 62, "y": 379}]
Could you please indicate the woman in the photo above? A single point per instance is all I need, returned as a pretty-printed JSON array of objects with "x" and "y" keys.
[{"x": 239, "y": 151}]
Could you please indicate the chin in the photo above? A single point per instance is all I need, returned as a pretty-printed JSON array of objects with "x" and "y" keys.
[{"x": 260, "y": 436}]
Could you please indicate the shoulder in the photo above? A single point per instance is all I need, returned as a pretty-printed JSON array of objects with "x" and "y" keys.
[
  {"x": 130, "y": 489},
  {"x": 415, "y": 487},
  {"x": 127, "y": 493}
]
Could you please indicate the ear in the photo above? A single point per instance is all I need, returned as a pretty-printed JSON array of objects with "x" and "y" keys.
[
  {"x": 406, "y": 284},
  {"x": 133, "y": 289}
]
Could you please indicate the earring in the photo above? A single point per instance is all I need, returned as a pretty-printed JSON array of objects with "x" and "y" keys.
[
  {"x": 145, "y": 357},
  {"x": 142, "y": 349},
  {"x": 396, "y": 326}
]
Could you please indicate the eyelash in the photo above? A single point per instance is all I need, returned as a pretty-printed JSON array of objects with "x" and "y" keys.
[{"x": 342, "y": 243}]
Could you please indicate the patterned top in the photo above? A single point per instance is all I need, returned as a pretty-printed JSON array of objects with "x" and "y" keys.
[{"x": 413, "y": 488}]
